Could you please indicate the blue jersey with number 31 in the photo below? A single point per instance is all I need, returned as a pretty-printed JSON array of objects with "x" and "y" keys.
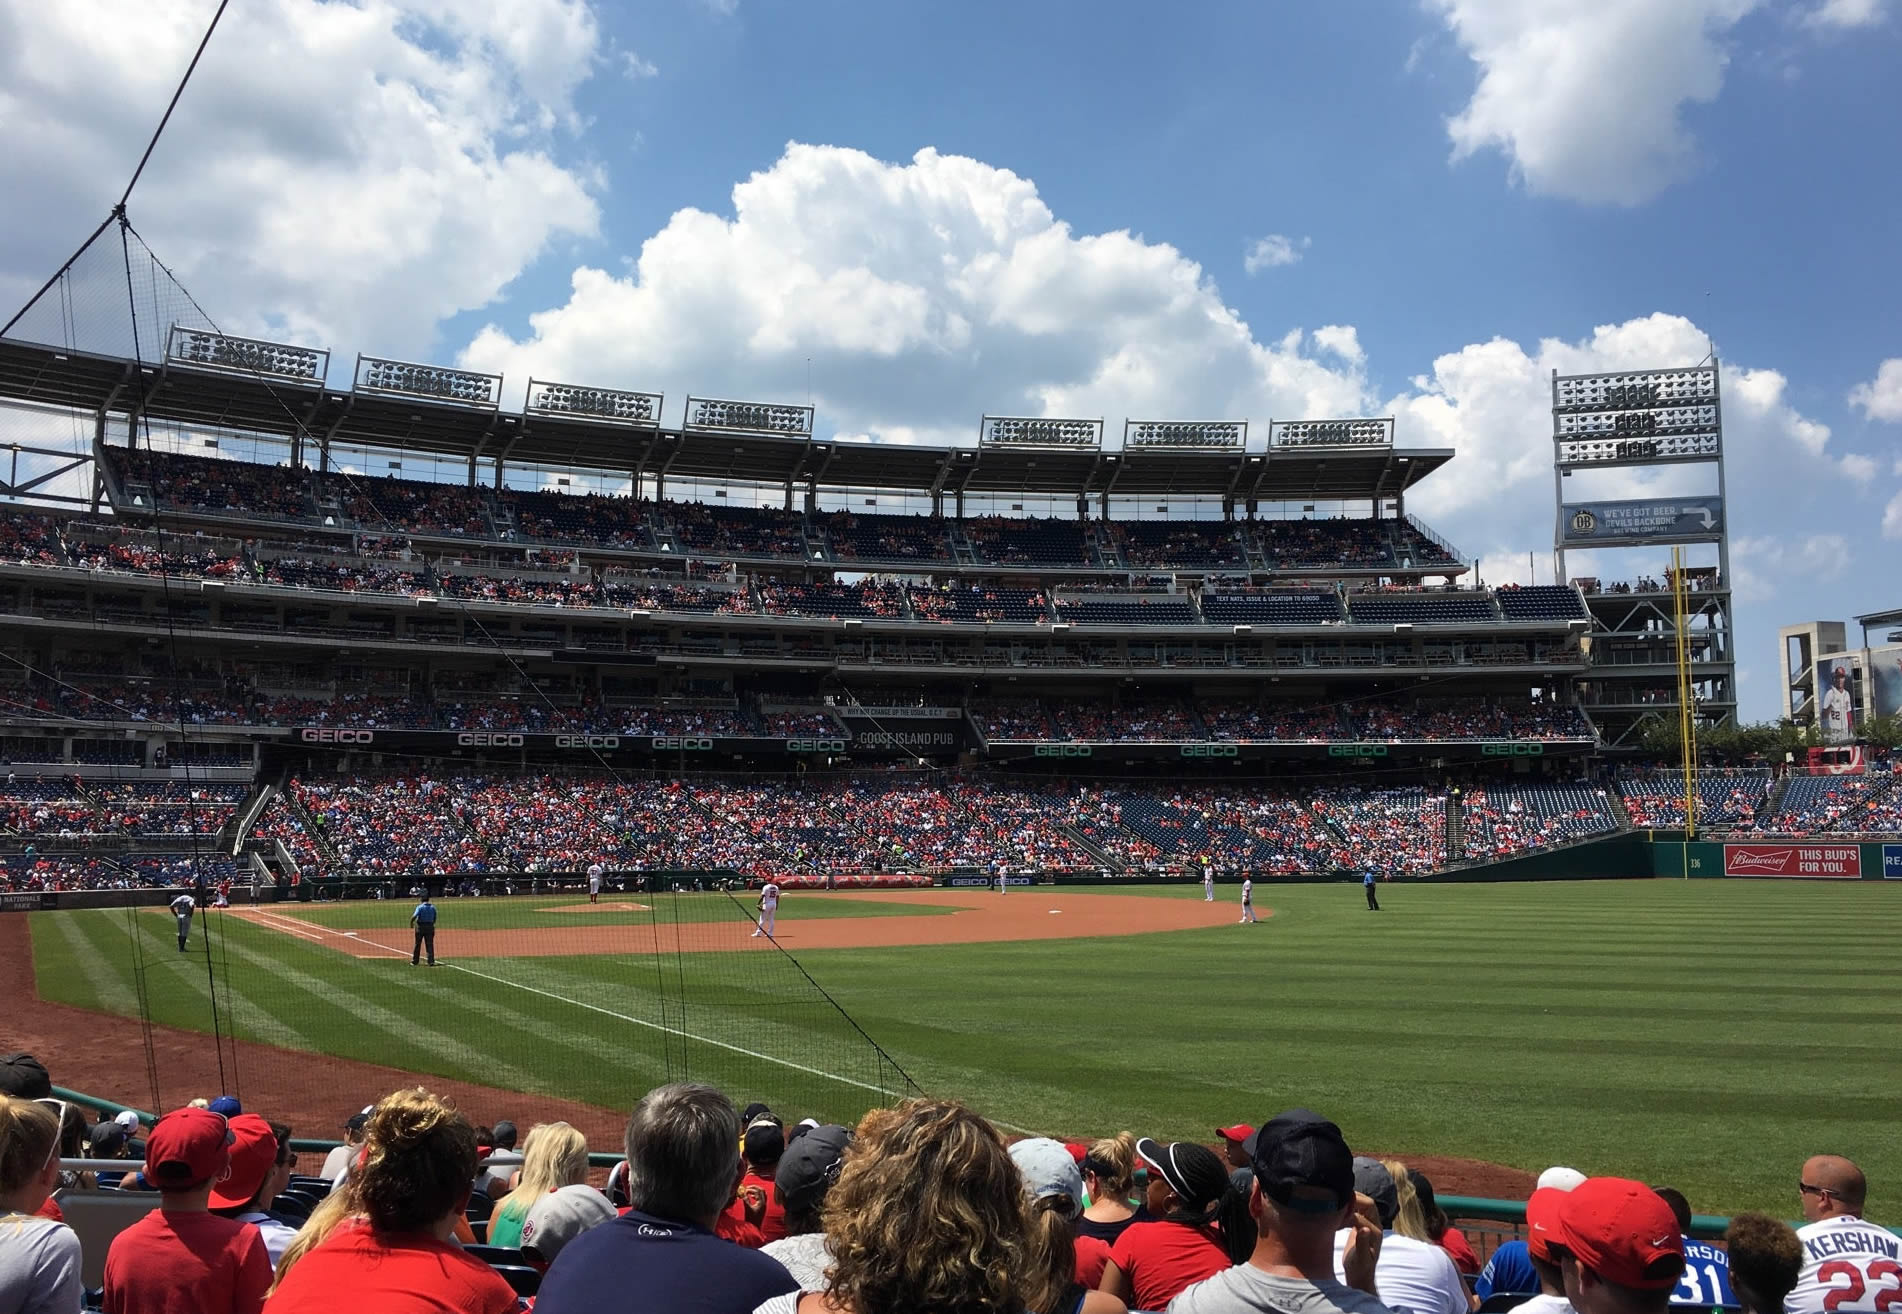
[{"x": 1706, "y": 1280}]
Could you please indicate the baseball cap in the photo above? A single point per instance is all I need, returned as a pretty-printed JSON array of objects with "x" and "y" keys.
[
  {"x": 810, "y": 1166},
  {"x": 106, "y": 1140},
  {"x": 24, "y": 1077},
  {"x": 227, "y": 1106},
  {"x": 1542, "y": 1222},
  {"x": 1623, "y": 1231},
  {"x": 186, "y": 1147},
  {"x": 127, "y": 1119},
  {"x": 1192, "y": 1171},
  {"x": 1048, "y": 1169},
  {"x": 1560, "y": 1178},
  {"x": 754, "y": 1111},
  {"x": 253, "y": 1152},
  {"x": 764, "y": 1142},
  {"x": 1236, "y": 1135},
  {"x": 561, "y": 1216},
  {"x": 505, "y": 1135},
  {"x": 1372, "y": 1179},
  {"x": 356, "y": 1120},
  {"x": 1300, "y": 1149}
]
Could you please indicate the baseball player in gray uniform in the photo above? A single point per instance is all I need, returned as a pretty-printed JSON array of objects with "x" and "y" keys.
[{"x": 182, "y": 908}]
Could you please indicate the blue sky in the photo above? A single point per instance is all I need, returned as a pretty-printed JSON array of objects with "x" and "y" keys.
[{"x": 1049, "y": 207}]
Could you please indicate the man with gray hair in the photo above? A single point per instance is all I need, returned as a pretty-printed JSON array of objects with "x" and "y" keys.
[{"x": 683, "y": 1166}]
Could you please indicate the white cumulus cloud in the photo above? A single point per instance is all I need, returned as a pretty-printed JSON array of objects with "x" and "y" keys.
[
  {"x": 336, "y": 172},
  {"x": 1892, "y": 518},
  {"x": 1585, "y": 97},
  {"x": 637, "y": 69},
  {"x": 1274, "y": 251},
  {"x": 1881, "y": 397},
  {"x": 1847, "y": 14}
]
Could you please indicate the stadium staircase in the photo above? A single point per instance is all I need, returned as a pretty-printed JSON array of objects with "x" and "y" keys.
[
  {"x": 1455, "y": 828},
  {"x": 1774, "y": 803},
  {"x": 1258, "y": 559},
  {"x": 817, "y": 543},
  {"x": 1101, "y": 545},
  {"x": 318, "y": 835},
  {"x": 1619, "y": 812},
  {"x": 961, "y": 550}
]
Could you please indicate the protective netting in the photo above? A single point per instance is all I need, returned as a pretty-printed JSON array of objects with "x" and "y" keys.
[
  {"x": 114, "y": 298},
  {"x": 537, "y": 992}
]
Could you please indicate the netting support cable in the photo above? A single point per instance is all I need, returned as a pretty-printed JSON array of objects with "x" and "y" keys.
[
  {"x": 172, "y": 105},
  {"x": 59, "y": 273}
]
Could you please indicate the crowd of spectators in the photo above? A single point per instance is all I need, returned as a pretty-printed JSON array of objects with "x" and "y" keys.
[
  {"x": 205, "y": 483},
  {"x": 1843, "y": 805},
  {"x": 1654, "y": 798},
  {"x": 412, "y": 506},
  {"x": 1466, "y": 718},
  {"x": 29, "y": 541},
  {"x": 867, "y": 599},
  {"x": 1504, "y": 820},
  {"x": 737, "y": 531}
]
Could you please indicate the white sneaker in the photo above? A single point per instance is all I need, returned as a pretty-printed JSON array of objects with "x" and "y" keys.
[{"x": 756, "y": 935}]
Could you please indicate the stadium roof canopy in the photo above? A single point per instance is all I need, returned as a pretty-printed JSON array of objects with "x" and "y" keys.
[{"x": 465, "y": 421}]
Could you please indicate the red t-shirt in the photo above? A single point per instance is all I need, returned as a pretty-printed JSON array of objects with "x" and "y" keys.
[
  {"x": 187, "y": 1263},
  {"x": 51, "y": 1210},
  {"x": 1092, "y": 1256},
  {"x": 1454, "y": 1243},
  {"x": 1162, "y": 1259},
  {"x": 773, "y": 1226},
  {"x": 355, "y": 1269}
]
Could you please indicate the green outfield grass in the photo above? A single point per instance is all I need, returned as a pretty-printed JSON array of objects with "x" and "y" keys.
[
  {"x": 1708, "y": 1034},
  {"x": 509, "y": 913}
]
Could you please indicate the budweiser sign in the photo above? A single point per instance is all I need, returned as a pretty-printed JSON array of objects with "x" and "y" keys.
[{"x": 1809, "y": 861}]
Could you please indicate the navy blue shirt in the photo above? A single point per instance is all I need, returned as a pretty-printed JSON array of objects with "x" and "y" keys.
[
  {"x": 425, "y": 914},
  {"x": 640, "y": 1263},
  {"x": 1510, "y": 1269}
]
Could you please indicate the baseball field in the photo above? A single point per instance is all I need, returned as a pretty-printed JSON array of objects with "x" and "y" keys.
[{"x": 1705, "y": 1034}]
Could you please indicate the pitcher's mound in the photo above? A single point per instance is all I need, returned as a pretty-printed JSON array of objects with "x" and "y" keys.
[{"x": 599, "y": 907}]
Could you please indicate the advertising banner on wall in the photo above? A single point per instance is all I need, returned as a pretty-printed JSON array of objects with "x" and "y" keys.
[
  {"x": 1840, "y": 862},
  {"x": 1591, "y": 524},
  {"x": 1838, "y": 698}
]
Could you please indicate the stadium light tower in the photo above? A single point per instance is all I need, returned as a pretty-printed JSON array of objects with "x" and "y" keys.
[{"x": 1647, "y": 420}]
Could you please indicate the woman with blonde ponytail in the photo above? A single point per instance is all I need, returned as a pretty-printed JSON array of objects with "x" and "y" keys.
[
  {"x": 39, "y": 1258},
  {"x": 383, "y": 1240}
]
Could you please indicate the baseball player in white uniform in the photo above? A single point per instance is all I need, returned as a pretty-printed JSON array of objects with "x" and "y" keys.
[
  {"x": 595, "y": 872},
  {"x": 1003, "y": 880},
  {"x": 182, "y": 908},
  {"x": 768, "y": 909},
  {"x": 1248, "y": 899},
  {"x": 1208, "y": 882}
]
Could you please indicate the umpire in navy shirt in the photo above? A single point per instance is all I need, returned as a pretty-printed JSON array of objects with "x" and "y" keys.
[
  {"x": 683, "y": 1165},
  {"x": 424, "y": 920},
  {"x": 1367, "y": 883}
]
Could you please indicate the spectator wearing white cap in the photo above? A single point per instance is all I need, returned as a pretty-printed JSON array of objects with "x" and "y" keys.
[
  {"x": 1412, "y": 1275},
  {"x": 561, "y": 1216},
  {"x": 1055, "y": 1187}
]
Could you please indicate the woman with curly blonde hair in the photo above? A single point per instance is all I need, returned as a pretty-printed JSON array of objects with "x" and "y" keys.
[
  {"x": 556, "y": 1156},
  {"x": 383, "y": 1239},
  {"x": 928, "y": 1217}
]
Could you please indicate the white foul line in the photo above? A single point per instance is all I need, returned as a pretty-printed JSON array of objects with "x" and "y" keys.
[{"x": 637, "y": 1021}]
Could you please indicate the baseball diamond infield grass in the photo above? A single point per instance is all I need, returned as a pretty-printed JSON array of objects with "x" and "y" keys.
[{"x": 1706, "y": 1034}]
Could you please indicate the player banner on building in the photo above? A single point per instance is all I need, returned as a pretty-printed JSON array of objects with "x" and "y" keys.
[
  {"x": 1840, "y": 862},
  {"x": 1892, "y": 862},
  {"x": 1585, "y": 523}
]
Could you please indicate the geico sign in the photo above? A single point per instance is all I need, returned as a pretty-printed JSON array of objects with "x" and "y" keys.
[
  {"x": 1512, "y": 750},
  {"x": 483, "y": 739},
  {"x": 815, "y": 745},
  {"x": 587, "y": 741},
  {"x": 673, "y": 744},
  {"x": 1210, "y": 750},
  {"x": 337, "y": 736},
  {"x": 1063, "y": 750}
]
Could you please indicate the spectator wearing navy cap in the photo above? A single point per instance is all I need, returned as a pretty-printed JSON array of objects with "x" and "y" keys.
[
  {"x": 25, "y": 1077},
  {"x": 181, "y": 1258},
  {"x": 762, "y": 1145},
  {"x": 804, "y": 1177},
  {"x": 1413, "y": 1275},
  {"x": 1303, "y": 1193},
  {"x": 1200, "y": 1227},
  {"x": 1621, "y": 1250}
]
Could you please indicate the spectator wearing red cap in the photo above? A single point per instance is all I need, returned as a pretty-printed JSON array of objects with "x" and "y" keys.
[
  {"x": 387, "y": 1247},
  {"x": 1201, "y": 1226},
  {"x": 1302, "y": 1194},
  {"x": 1619, "y": 1248},
  {"x": 181, "y": 1258},
  {"x": 1543, "y": 1245},
  {"x": 39, "y": 1258},
  {"x": 1235, "y": 1154},
  {"x": 261, "y": 1161}
]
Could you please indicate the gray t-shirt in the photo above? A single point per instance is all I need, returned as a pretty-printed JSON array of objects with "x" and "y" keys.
[
  {"x": 1245, "y": 1289},
  {"x": 39, "y": 1266}
]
